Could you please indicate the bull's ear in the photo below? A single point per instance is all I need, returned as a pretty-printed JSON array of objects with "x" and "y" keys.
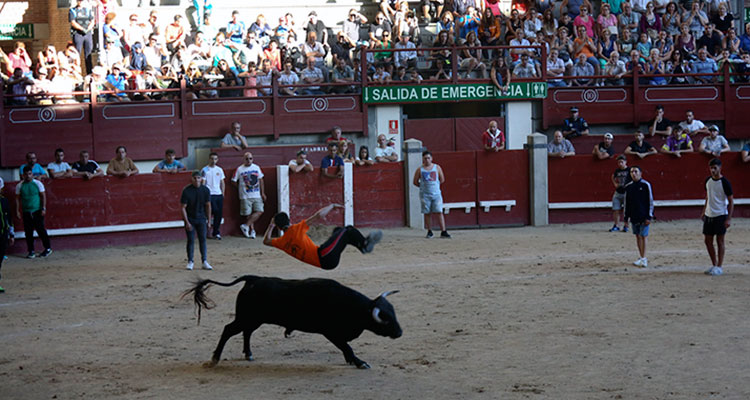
[{"x": 387, "y": 293}]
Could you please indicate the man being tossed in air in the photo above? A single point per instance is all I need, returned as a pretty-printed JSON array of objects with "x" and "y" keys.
[{"x": 295, "y": 242}]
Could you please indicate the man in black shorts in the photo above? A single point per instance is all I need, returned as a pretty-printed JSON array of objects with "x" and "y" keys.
[{"x": 717, "y": 215}]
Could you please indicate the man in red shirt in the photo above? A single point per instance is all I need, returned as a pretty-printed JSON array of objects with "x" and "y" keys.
[
  {"x": 295, "y": 242},
  {"x": 493, "y": 138}
]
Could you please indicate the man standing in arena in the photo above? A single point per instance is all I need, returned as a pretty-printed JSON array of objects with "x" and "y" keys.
[
  {"x": 428, "y": 178},
  {"x": 249, "y": 181},
  {"x": 620, "y": 178},
  {"x": 196, "y": 213},
  {"x": 717, "y": 215},
  {"x": 32, "y": 200},
  {"x": 213, "y": 178},
  {"x": 7, "y": 236},
  {"x": 639, "y": 210},
  {"x": 295, "y": 242}
]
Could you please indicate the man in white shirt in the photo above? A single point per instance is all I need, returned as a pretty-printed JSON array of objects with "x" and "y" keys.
[
  {"x": 213, "y": 178},
  {"x": 301, "y": 163},
  {"x": 59, "y": 168},
  {"x": 249, "y": 181},
  {"x": 385, "y": 153},
  {"x": 692, "y": 125},
  {"x": 717, "y": 215}
]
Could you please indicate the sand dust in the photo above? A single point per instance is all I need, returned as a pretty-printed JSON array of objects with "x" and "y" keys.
[{"x": 521, "y": 313}]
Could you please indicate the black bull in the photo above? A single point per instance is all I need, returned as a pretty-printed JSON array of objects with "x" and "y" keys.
[{"x": 312, "y": 305}]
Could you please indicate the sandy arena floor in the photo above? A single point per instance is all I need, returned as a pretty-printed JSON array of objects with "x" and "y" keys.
[{"x": 521, "y": 313}]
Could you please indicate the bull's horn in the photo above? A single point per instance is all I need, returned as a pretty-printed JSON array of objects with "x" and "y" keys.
[
  {"x": 376, "y": 315},
  {"x": 387, "y": 293}
]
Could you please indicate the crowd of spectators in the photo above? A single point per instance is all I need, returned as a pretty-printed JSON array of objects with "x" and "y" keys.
[{"x": 241, "y": 58}]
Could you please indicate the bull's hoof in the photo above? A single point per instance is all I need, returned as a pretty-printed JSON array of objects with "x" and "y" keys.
[
  {"x": 210, "y": 364},
  {"x": 288, "y": 333},
  {"x": 364, "y": 365}
]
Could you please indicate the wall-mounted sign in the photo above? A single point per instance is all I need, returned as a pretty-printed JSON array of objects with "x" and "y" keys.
[
  {"x": 450, "y": 92},
  {"x": 16, "y": 31}
]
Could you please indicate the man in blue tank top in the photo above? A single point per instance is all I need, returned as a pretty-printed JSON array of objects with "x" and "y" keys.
[{"x": 428, "y": 178}]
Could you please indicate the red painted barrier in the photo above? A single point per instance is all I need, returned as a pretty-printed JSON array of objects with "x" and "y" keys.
[
  {"x": 310, "y": 191},
  {"x": 503, "y": 176},
  {"x": 450, "y": 134},
  {"x": 379, "y": 195},
  {"x": 583, "y": 179}
]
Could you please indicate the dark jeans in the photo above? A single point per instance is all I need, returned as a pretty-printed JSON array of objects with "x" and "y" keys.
[
  {"x": 217, "y": 208},
  {"x": 3, "y": 247},
  {"x": 35, "y": 222},
  {"x": 199, "y": 227},
  {"x": 330, "y": 251},
  {"x": 85, "y": 42}
]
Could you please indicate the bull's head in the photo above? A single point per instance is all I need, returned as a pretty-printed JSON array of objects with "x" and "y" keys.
[{"x": 384, "y": 316}]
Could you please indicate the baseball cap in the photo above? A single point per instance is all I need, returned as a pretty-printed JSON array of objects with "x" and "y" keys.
[
  {"x": 312, "y": 13},
  {"x": 574, "y": 109},
  {"x": 608, "y": 136},
  {"x": 621, "y": 157},
  {"x": 713, "y": 128}
]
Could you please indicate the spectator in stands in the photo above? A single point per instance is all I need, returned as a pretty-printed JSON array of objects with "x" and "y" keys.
[
  {"x": 376, "y": 29},
  {"x": 555, "y": 69},
  {"x": 249, "y": 181},
  {"x": 31, "y": 207},
  {"x": 633, "y": 65},
  {"x": 170, "y": 164},
  {"x": 671, "y": 19},
  {"x": 351, "y": 27},
  {"x": 695, "y": 18},
  {"x": 384, "y": 58},
  {"x": 532, "y": 24},
  {"x": 660, "y": 125},
  {"x": 640, "y": 147},
  {"x": 471, "y": 56},
  {"x": 341, "y": 49},
  {"x": 677, "y": 142},
  {"x": 407, "y": 58},
  {"x": 174, "y": 34},
  {"x": 678, "y": 65},
  {"x": 604, "y": 149},
  {"x": 525, "y": 69},
  {"x": 208, "y": 29},
  {"x": 300, "y": 163},
  {"x": 582, "y": 68},
  {"x": 314, "y": 50},
  {"x": 317, "y": 26},
  {"x": 118, "y": 79},
  {"x": 363, "y": 158},
  {"x": 564, "y": 44},
  {"x": 415, "y": 77},
  {"x": 236, "y": 29},
  {"x": 381, "y": 76},
  {"x": 714, "y": 144},
  {"x": 518, "y": 43},
  {"x": 264, "y": 77},
  {"x": 573, "y": 7},
  {"x": 121, "y": 165},
  {"x": 643, "y": 46},
  {"x": 575, "y": 125},
  {"x": 693, "y": 126},
  {"x": 626, "y": 42},
  {"x": 342, "y": 73},
  {"x": 468, "y": 22},
  {"x": 650, "y": 22},
  {"x": 48, "y": 57},
  {"x": 311, "y": 75},
  {"x": 59, "y": 168},
  {"x": 229, "y": 79},
  {"x": 234, "y": 139},
  {"x": 82, "y": 20},
  {"x": 85, "y": 168},
  {"x": 560, "y": 147},
  {"x": 345, "y": 151},
  {"x": 155, "y": 52},
  {"x": 606, "y": 44},
  {"x": 431, "y": 5},
  {"x": 262, "y": 30},
  {"x": 489, "y": 31},
  {"x": 743, "y": 68},
  {"x": 614, "y": 69},
  {"x": 493, "y": 138},
  {"x": 586, "y": 20},
  {"x": 446, "y": 24},
  {"x": 133, "y": 33},
  {"x": 384, "y": 152},
  {"x": 332, "y": 159},
  {"x": 745, "y": 39},
  {"x": 69, "y": 58},
  {"x": 19, "y": 85},
  {"x": 629, "y": 20},
  {"x": 288, "y": 77},
  {"x": 137, "y": 58},
  {"x": 655, "y": 67},
  {"x": 584, "y": 44},
  {"x": 665, "y": 45},
  {"x": 712, "y": 40},
  {"x": 732, "y": 43},
  {"x": 196, "y": 213},
  {"x": 37, "y": 171}
]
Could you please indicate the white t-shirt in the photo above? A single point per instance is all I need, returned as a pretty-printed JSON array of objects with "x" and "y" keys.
[
  {"x": 693, "y": 126},
  {"x": 293, "y": 163},
  {"x": 55, "y": 167},
  {"x": 248, "y": 179},
  {"x": 387, "y": 151},
  {"x": 213, "y": 176}
]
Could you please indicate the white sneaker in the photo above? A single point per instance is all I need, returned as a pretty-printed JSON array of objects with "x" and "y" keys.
[
  {"x": 714, "y": 271},
  {"x": 207, "y": 266},
  {"x": 644, "y": 262},
  {"x": 189, "y": 266},
  {"x": 245, "y": 230},
  {"x": 638, "y": 262},
  {"x": 252, "y": 234}
]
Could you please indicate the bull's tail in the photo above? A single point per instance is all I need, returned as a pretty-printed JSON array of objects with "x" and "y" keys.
[{"x": 199, "y": 292}]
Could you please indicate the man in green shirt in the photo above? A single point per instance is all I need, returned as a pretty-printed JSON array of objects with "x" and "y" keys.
[{"x": 32, "y": 200}]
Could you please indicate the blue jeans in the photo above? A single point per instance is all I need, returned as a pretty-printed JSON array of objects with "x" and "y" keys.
[
  {"x": 199, "y": 227},
  {"x": 217, "y": 210}
]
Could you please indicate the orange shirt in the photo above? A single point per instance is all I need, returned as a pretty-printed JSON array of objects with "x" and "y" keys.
[{"x": 297, "y": 244}]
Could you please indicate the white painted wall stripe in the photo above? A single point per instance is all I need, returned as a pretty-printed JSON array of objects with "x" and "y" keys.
[
  {"x": 108, "y": 229},
  {"x": 657, "y": 203},
  {"x": 348, "y": 194},
  {"x": 282, "y": 179}
]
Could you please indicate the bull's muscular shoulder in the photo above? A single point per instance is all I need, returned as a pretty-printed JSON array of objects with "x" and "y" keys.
[{"x": 318, "y": 290}]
